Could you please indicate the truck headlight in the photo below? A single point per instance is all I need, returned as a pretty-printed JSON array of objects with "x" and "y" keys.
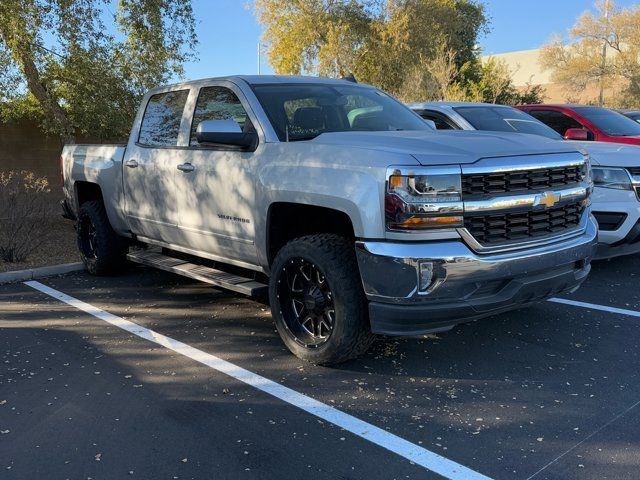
[
  {"x": 608, "y": 177},
  {"x": 423, "y": 198}
]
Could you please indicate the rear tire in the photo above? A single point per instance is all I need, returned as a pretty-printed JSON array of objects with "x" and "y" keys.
[
  {"x": 317, "y": 300},
  {"x": 103, "y": 252}
]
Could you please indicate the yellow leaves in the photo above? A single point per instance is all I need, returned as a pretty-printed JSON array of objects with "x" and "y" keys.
[
  {"x": 581, "y": 61},
  {"x": 380, "y": 41}
]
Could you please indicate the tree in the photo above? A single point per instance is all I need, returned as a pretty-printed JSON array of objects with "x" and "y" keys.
[
  {"x": 320, "y": 36},
  {"x": 87, "y": 81},
  {"x": 604, "y": 51},
  {"x": 430, "y": 79},
  {"x": 490, "y": 81},
  {"x": 383, "y": 42},
  {"x": 443, "y": 70}
]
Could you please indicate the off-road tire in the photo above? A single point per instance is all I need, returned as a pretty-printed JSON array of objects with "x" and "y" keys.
[
  {"x": 335, "y": 257},
  {"x": 109, "y": 253}
]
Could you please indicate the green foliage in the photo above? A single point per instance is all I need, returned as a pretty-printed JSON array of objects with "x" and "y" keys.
[
  {"x": 490, "y": 82},
  {"x": 320, "y": 36},
  {"x": 383, "y": 42},
  {"x": 416, "y": 49},
  {"x": 88, "y": 82}
]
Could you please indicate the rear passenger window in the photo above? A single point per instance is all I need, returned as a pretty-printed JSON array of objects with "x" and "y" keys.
[
  {"x": 556, "y": 120},
  {"x": 161, "y": 121},
  {"x": 441, "y": 123},
  {"x": 217, "y": 103}
]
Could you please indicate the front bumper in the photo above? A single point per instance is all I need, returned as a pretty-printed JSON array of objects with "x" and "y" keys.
[
  {"x": 624, "y": 239},
  {"x": 466, "y": 286}
]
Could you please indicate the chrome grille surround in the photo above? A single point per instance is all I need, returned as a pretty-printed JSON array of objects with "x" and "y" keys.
[
  {"x": 634, "y": 172},
  {"x": 553, "y": 206}
]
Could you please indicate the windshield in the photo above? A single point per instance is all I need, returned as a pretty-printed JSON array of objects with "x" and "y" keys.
[
  {"x": 505, "y": 119},
  {"x": 610, "y": 122},
  {"x": 302, "y": 112}
]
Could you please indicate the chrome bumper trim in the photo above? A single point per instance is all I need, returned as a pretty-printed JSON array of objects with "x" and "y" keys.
[
  {"x": 390, "y": 271},
  {"x": 527, "y": 201}
]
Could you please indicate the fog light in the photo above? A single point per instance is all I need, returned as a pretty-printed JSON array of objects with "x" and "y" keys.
[{"x": 426, "y": 271}]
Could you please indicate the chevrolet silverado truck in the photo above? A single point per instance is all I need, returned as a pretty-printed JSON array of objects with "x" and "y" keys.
[
  {"x": 351, "y": 212},
  {"x": 615, "y": 168}
]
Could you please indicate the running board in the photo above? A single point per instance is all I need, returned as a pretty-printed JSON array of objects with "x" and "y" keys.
[{"x": 246, "y": 286}]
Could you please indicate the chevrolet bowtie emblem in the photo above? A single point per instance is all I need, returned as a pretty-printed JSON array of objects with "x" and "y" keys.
[{"x": 548, "y": 199}]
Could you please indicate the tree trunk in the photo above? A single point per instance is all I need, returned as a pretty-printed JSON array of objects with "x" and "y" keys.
[
  {"x": 39, "y": 90},
  {"x": 18, "y": 40}
]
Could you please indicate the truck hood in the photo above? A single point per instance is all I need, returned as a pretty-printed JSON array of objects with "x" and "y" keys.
[
  {"x": 454, "y": 147},
  {"x": 611, "y": 154}
]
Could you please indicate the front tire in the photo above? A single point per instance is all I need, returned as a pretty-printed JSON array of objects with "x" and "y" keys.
[
  {"x": 317, "y": 300},
  {"x": 103, "y": 252}
]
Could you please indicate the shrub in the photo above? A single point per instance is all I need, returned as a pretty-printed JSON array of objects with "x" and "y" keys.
[{"x": 25, "y": 209}]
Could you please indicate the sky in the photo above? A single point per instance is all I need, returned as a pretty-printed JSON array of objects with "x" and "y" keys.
[{"x": 229, "y": 32}]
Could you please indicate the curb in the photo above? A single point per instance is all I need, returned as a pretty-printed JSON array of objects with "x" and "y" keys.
[{"x": 34, "y": 273}]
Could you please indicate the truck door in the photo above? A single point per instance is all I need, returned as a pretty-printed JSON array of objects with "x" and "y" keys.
[
  {"x": 216, "y": 185},
  {"x": 150, "y": 168}
]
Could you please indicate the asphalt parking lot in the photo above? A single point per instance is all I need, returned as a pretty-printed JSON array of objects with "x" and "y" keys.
[{"x": 547, "y": 392}]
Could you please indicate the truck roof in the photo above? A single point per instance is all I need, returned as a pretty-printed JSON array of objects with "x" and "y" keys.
[{"x": 260, "y": 80}]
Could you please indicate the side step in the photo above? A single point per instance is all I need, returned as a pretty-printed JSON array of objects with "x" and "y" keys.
[{"x": 246, "y": 286}]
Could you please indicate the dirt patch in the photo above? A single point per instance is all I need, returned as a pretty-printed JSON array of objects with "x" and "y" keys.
[{"x": 60, "y": 247}]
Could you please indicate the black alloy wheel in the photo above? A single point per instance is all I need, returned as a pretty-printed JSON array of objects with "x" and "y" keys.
[
  {"x": 317, "y": 299},
  {"x": 307, "y": 302}
]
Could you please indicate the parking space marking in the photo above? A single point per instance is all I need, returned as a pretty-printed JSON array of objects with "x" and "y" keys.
[
  {"x": 593, "y": 306},
  {"x": 584, "y": 440},
  {"x": 410, "y": 451}
]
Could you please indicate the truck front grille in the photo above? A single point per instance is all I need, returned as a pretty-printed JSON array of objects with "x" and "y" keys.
[
  {"x": 634, "y": 171},
  {"x": 493, "y": 230},
  {"x": 522, "y": 181}
]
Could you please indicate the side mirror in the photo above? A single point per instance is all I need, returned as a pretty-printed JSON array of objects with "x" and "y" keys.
[
  {"x": 431, "y": 123},
  {"x": 226, "y": 133},
  {"x": 576, "y": 134}
]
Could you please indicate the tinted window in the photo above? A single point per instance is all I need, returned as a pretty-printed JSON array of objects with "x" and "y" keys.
[
  {"x": 505, "y": 119},
  {"x": 217, "y": 103},
  {"x": 161, "y": 121},
  {"x": 633, "y": 115},
  {"x": 610, "y": 122},
  {"x": 556, "y": 120},
  {"x": 302, "y": 112},
  {"x": 441, "y": 122}
]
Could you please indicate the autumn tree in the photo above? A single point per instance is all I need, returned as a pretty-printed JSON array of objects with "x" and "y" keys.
[
  {"x": 491, "y": 81},
  {"x": 603, "y": 51},
  {"x": 319, "y": 36},
  {"x": 88, "y": 79},
  {"x": 383, "y": 42},
  {"x": 429, "y": 79}
]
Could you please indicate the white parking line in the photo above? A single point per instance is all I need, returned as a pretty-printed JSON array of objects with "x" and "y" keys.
[
  {"x": 593, "y": 306},
  {"x": 423, "y": 457}
]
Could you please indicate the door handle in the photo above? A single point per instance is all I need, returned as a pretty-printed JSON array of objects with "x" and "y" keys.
[
  {"x": 131, "y": 164},
  {"x": 186, "y": 167}
]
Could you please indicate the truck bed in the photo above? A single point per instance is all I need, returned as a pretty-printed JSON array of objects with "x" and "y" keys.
[{"x": 96, "y": 164}]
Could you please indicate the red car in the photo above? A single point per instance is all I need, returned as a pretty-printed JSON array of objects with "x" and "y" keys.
[{"x": 582, "y": 122}]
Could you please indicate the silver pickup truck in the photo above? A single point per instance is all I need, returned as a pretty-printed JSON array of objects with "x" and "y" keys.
[{"x": 355, "y": 215}]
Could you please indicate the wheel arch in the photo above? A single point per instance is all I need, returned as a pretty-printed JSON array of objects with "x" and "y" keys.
[{"x": 288, "y": 220}]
